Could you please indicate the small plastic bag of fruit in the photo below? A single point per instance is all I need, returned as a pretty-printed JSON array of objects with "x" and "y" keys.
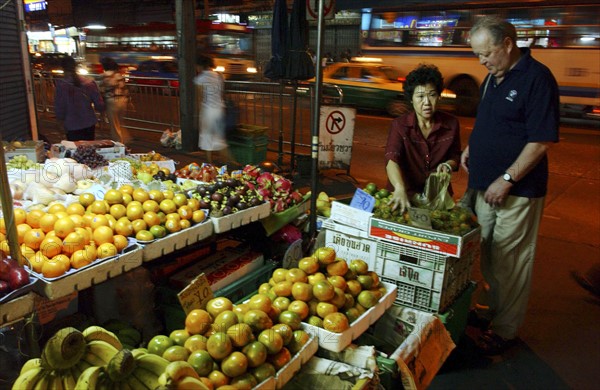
[{"x": 435, "y": 195}]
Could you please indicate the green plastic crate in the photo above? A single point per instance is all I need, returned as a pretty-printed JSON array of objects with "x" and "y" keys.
[
  {"x": 455, "y": 318},
  {"x": 250, "y": 151}
]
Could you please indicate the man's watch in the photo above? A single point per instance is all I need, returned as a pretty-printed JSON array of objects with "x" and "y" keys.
[{"x": 508, "y": 178}]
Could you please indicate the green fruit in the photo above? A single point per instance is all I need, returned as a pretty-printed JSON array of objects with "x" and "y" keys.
[
  {"x": 159, "y": 344},
  {"x": 158, "y": 231},
  {"x": 371, "y": 188}
]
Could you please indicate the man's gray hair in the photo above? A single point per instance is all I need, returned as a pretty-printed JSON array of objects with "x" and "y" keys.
[{"x": 498, "y": 29}]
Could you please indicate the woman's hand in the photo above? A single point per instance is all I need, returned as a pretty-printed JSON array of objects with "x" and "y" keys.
[
  {"x": 464, "y": 159},
  {"x": 399, "y": 200}
]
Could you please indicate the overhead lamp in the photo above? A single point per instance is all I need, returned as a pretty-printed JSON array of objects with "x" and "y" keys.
[{"x": 96, "y": 27}]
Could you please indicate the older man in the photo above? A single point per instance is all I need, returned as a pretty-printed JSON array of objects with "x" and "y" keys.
[{"x": 517, "y": 120}]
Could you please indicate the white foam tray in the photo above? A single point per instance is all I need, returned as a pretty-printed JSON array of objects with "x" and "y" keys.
[
  {"x": 240, "y": 218},
  {"x": 338, "y": 341},
  {"x": 17, "y": 308},
  {"x": 176, "y": 241}
]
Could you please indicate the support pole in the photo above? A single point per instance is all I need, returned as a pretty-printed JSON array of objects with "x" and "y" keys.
[
  {"x": 186, "y": 57},
  {"x": 315, "y": 126}
]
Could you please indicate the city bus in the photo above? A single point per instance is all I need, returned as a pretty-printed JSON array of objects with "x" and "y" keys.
[
  {"x": 564, "y": 35},
  {"x": 230, "y": 44}
]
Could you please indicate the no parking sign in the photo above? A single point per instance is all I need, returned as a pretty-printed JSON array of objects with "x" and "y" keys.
[{"x": 336, "y": 133}]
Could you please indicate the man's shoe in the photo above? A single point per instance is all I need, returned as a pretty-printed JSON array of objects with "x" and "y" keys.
[{"x": 491, "y": 344}]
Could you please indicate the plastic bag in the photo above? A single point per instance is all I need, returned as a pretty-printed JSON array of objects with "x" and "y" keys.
[
  {"x": 435, "y": 195},
  {"x": 171, "y": 139}
]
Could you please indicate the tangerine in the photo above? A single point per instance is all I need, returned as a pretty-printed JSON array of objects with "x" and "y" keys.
[
  {"x": 53, "y": 268},
  {"x": 20, "y": 216},
  {"x": 107, "y": 249},
  {"x": 22, "y": 228},
  {"x": 75, "y": 209},
  {"x": 74, "y": 241},
  {"x": 198, "y": 321},
  {"x": 64, "y": 260},
  {"x": 86, "y": 199},
  {"x": 102, "y": 234},
  {"x": 33, "y": 238},
  {"x": 47, "y": 222},
  {"x": 51, "y": 246},
  {"x": 118, "y": 210},
  {"x": 64, "y": 226},
  {"x": 99, "y": 207},
  {"x": 124, "y": 228},
  {"x": 33, "y": 218},
  {"x": 113, "y": 196},
  {"x": 56, "y": 207},
  {"x": 80, "y": 259},
  {"x": 120, "y": 242},
  {"x": 77, "y": 220},
  {"x": 37, "y": 261},
  {"x": 26, "y": 251}
]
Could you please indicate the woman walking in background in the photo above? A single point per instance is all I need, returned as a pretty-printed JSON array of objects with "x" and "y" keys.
[
  {"x": 76, "y": 99},
  {"x": 116, "y": 97}
]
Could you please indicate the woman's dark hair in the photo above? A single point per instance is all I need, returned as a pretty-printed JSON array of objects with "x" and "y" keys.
[
  {"x": 70, "y": 70},
  {"x": 205, "y": 61},
  {"x": 109, "y": 64},
  {"x": 422, "y": 75}
]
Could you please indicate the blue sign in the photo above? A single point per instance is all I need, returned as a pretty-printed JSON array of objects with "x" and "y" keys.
[
  {"x": 33, "y": 6},
  {"x": 362, "y": 201}
]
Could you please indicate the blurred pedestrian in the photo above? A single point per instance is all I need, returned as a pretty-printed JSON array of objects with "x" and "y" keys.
[
  {"x": 211, "y": 107},
  {"x": 420, "y": 140},
  {"x": 77, "y": 98},
  {"x": 517, "y": 121},
  {"x": 116, "y": 97}
]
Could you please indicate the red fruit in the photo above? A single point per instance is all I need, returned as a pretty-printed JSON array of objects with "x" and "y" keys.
[
  {"x": 4, "y": 288},
  {"x": 6, "y": 264},
  {"x": 18, "y": 277}
]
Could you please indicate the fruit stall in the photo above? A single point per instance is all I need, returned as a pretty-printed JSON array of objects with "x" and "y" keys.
[{"x": 122, "y": 271}]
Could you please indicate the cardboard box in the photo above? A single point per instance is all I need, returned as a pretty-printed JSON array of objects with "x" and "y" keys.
[
  {"x": 213, "y": 264},
  {"x": 106, "y": 148},
  {"x": 350, "y": 243},
  {"x": 350, "y": 216},
  {"x": 423, "y": 239},
  {"x": 33, "y": 150}
]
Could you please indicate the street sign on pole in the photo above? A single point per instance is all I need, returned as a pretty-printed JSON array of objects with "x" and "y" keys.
[
  {"x": 312, "y": 9},
  {"x": 336, "y": 133}
]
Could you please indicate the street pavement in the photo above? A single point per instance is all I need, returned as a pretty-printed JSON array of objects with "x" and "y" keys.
[{"x": 560, "y": 339}]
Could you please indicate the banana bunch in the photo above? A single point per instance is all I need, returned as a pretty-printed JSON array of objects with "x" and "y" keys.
[
  {"x": 180, "y": 375},
  {"x": 324, "y": 204},
  {"x": 129, "y": 336},
  {"x": 55, "y": 369}
]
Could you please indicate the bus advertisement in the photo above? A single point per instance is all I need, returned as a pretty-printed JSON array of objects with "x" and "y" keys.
[
  {"x": 563, "y": 36},
  {"x": 230, "y": 44}
]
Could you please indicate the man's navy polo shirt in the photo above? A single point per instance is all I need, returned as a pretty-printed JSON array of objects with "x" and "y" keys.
[{"x": 523, "y": 108}]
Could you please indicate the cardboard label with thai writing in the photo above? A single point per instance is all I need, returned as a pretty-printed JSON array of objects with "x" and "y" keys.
[
  {"x": 196, "y": 294},
  {"x": 48, "y": 309}
]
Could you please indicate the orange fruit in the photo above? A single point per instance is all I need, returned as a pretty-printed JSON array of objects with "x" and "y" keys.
[
  {"x": 139, "y": 225},
  {"x": 87, "y": 219},
  {"x": 64, "y": 260},
  {"x": 64, "y": 226},
  {"x": 51, "y": 246},
  {"x": 323, "y": 290},
  {"x": 113, "y": 197},
  {"x": 102, "y": 234},
  {"x": 185, "y": 223},
  {"x": 127, "y": 198},
  {"x": 151, "y": 205},
  {"x": 296, "y": 275},
  {"x": 73, "y": 242},
  {"x": 22, "y": 228},
  {"x": 86, "y": 199},
  {"x": 56, "y": 207},
  {"x": 87, "y": 234},
  {"x": 47, "y": 222},
  {"x": 26, "y": 251},
  {"x": 37, "y": 261},
  {"x": 118, "y": 211},
  {"x": 77, "y": 220},
  {"x": 4, "y": 248},
  {"x": 61, "y": 214},
  {"x": 99, "y": 207},
  {"x": 53, "y": 268},
  {"x": 218, "y": 379},
  {"x": 111, "y": 221},
  {"x": 140, "y": 195},
  {"x": 151, "y": 218},
  {"x": 2, "y": 226},
  {"x": 98, "y": 220},
  {"x": 33, "y": 218},
  {"x": 126, "y": 189},
  {"x": 134, "y": 211},
  {"x": 300, "y": 308},
  {"x": 20, "y": 216},
  {"x": 91, "y": 251},
  {"x": 120, "y": 242},
  {"x": 80, "y": 259},
  {"x": 156, "y": 195},
  {"x": 75, "y": 208},
  {"x": 336, "y": 322},
  {"x": 124, "y": 228},
  {"x": 107, "y": 250},
  {"x": 219, "y": 345},
  {"x": 198, "y": 321},
  {"x": 33, "y": 238},
  {"x": 185, "y": 212}
]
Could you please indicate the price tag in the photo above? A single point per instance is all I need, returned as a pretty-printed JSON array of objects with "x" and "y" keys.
[
  {"x": 362, "y": 201},
  {"x": 97, "y": 190},
  {"x": 292, "y": 255},
  {"x": 196, "y": 294},
  {"x": 419, "y": 217}
]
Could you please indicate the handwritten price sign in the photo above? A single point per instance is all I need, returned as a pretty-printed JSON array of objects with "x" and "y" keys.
[
  {"x": 419, "y": 218},
  {"x": 196, "y": 294}
]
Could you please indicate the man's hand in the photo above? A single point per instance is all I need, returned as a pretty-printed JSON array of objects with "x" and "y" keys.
[{"x": 497, "y": 192}]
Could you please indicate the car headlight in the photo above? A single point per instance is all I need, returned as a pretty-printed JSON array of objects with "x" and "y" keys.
[{"x": 251, "y": 69}]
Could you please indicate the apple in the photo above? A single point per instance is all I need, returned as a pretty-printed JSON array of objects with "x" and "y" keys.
[
  {"x": 18, "y": 277},
  {"x": 6, "y": 264},
  {"x": 325, "y": 255},
  {"x": 4, "y": 288}
]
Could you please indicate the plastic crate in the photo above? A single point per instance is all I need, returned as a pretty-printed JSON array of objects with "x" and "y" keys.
[
  {"x": 426, "y": 281},
  {"x": 247, "y": 130},
  {"x": 455, "y": 318},
  {"x": 251, "y": 151}
]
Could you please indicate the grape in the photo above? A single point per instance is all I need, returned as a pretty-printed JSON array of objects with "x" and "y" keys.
[
  {"x": 85, "y": 154},
  {"x": 22, "y": 162}
]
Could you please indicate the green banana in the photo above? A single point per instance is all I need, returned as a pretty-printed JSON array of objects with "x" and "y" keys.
[
  {"x": 148, "y": 378},
  {"x": 180, "y": 369},
  {"x": 124, "y": 385},
  {"x": 43, "y": 383},
  {"x": 139, "y": 351},
  {"x": 29, "y": 379},
  {"x": 153, "y": 363},
  {"x": 121, "y": 365},
  {"x": 29, "y": 364},
  {"x": 55, "y": 381},
  {"x": 164, "y": 380},
  {"x": 88, "y": 380},
  {"x": 64, "y": 349},
  {"x": 104, "y": 382},
  {"x": 99, "y": 353},
  {"x": 95, "y": 332},
  {"x": 131, "y": 334},
  {"x": 134, "y": 383},
  {"x": 69, "y": 379},
  {"x": 190, "y": 383}
]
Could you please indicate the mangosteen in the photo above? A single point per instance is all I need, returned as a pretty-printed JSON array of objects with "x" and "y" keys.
[
  {"x": 227, "y": 210},
  {"x": 241, "y": 205},
  {"x": 255, "y": 202},
  {"x": 212, "y": 187},
  {"x": 217, "y": 196},
  {"x": 204, "y": 204},
  {"x": 231, "y": 182},
  {"x": 233, "y": 200}
]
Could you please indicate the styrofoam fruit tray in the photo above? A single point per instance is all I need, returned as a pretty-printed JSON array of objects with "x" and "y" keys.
[
  {"x": 19, "y": 291},
  {"x": 130, "y": 246},
  {"x": 240, "y": 218},
  {"x": 176, "y": 241},
  {"x": 286, "y": 372},
  {"x": 95, "y": 273},
  {"x": 338, "y": 341}
]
